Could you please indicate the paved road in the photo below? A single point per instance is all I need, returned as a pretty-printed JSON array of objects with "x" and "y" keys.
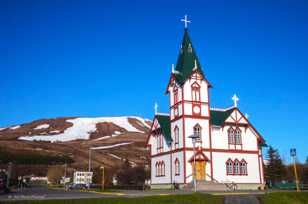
[
  {"x": 241, "y": 199},
  {"x": 37, "y": 193}
]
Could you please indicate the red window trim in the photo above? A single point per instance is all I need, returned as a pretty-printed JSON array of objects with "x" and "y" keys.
[
  {"x": 198, "y": 126},
  {"x": 240, "y": 172},
  {"x": 240, "y": 138},
  {"x": 227, "y": 169},
  {"x": 160, "y": 168},
  {"x": 177, "y": 167},
  {"x": 231, "y": 137},
  {"x": 195, "y": 92},
  {"x": 176, "y": 137},
  {"x": 175, "y": 95}
]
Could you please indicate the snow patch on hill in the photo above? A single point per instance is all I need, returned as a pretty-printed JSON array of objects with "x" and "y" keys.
[
  {"x": 15, "y": 127},
  {"x": 83, "y": 127},
  {"x": 43, "y": 126},
  {"x": 111, "y": 146}
]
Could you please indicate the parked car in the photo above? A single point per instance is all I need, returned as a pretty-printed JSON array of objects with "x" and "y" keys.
[
  {"x": 3, "y": 188},
  {"x": 76, "y": 186}
]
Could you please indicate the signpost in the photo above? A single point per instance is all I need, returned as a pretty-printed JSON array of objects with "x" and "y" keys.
[{"x": 293, "y": 155}]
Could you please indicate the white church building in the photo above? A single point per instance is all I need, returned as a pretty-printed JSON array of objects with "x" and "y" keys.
[{"x": 193, "y": 140}]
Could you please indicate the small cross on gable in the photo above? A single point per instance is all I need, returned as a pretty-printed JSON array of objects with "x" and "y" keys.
[{"x": 235, "y": 100}]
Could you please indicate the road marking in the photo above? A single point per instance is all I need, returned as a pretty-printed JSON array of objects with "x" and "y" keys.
[
  {"x": 231, "y": 193},
  {"x": 107, "y": 193}
]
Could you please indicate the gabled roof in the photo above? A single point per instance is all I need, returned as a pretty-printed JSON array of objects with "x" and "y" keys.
[
  {"x": 164, "y": 122},
  {"x": 187, "y": 62},
  {"x": 218, "y": 117}
]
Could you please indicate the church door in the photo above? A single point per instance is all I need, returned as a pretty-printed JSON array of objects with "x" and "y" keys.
[{"x": 200, "y": 170}]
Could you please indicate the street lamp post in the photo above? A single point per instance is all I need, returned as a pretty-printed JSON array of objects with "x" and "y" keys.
[
  {"x": 194, "y": 137},
  {"x": 170, "y": 143}
]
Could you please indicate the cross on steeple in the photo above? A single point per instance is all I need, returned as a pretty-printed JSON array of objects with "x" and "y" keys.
[
  {"x": 155, "y": 108},
  {"x": 186, "y": 21},
  {"x": 235, "y": 100}
]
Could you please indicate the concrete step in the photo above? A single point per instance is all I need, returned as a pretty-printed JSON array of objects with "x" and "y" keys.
[{"x": 209, "y": 186}]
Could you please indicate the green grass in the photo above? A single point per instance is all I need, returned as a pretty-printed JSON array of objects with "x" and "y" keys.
[
  {"x": 285, "y": 198},
  {"x": 196, "y": 198}
]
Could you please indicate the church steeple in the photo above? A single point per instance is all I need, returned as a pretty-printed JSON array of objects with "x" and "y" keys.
[{"x": 188, "y": 61}]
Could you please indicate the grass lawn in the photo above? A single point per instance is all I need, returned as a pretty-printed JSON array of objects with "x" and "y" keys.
[
  {"x": 196, "y": 198},
  {"x": 285, "y": 198}
]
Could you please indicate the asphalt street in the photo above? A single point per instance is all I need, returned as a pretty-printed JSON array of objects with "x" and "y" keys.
[{"x": 44, "y": 193}]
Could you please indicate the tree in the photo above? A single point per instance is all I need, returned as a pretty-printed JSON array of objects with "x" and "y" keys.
[
  {"x": 98, "y": 173},
  {"x": 55, "y": 173},
  {"x": 275, "y": 170},
  {"x": 128, "y": 175},
  {"x": 305, "y": 172},
  {"x": 124, "y": 174}
]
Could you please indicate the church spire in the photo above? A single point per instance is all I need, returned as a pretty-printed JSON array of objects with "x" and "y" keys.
[{"x": 187, "y": 61}]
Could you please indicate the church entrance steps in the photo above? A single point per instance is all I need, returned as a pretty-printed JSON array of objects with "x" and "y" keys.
[{"x": 211, "y": 186}]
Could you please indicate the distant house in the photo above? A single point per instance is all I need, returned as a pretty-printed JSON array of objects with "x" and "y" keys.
[{"x": 82, "y": 177}]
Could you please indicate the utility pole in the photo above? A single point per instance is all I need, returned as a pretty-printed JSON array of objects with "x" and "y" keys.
[
  {"x": 89, "y": 168},
  {"x": 293, "y": 155},
  {"x": 103, "y": 177},
  {"x": 9, "y": 173}
]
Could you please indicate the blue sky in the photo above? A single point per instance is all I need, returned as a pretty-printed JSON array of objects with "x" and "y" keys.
[{"x": 111, "y": 58}]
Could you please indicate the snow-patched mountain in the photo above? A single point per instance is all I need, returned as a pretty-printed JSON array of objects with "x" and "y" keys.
[
  {"x": 82, "y": 128},
  {"x": 111, "y": 138},
  {"x": 79, "y": 128}
]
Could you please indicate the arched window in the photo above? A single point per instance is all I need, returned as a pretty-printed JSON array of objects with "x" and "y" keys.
[
  {"x": 176, "y": 137},
  {"x": 229, "y": 167},
  {"x": 231, "y": 135},
  {"x": 197, "y": 131},
  {"x": 157, "y": 169},
  {"x": 175, "y": 95},
  {"x": 162, "y": 168},
  {"x": 243, "y": 167},
  {"x": 159, "y": 141},
  {"x": 195, "y": 91},
  {"x": 238, "y": 137},
  {"x": 177, "y": 167},
  {"x": 236, "y": 170}
]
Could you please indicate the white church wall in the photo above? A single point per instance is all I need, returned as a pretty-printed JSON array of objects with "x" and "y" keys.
[
  {"x": 178, "y": 178},
  {"x": 219, "y": 167},
  {"x": 249, "y": 140},
  {"x": 203, "y": 90},
  {"x": 178, "y": 123},
  {"x": 189, "y": 130},
  {"x": 220, "y": 139},
  {"x": 160, "y": 179}
]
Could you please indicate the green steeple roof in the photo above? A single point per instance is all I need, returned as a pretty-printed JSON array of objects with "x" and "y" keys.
[{"x": 187, "y": 60}]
